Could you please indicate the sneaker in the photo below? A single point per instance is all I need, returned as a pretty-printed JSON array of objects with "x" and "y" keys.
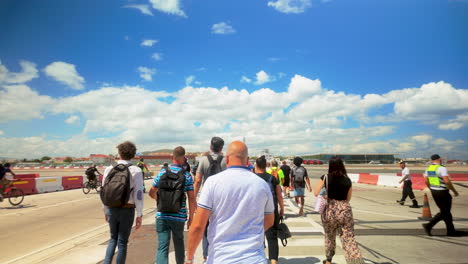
[
  {"x": 427, "y": 229},
  {"x": 400, "y": 202},
  {"x": 414, "y": 206}
]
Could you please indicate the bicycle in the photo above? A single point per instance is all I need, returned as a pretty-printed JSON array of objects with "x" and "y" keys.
[
  {"x": 15, "y": 195},
  {"x": 89, "y": 185}
]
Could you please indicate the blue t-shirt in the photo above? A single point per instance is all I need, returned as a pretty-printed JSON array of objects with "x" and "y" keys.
[{"x": 181, "y": 216}]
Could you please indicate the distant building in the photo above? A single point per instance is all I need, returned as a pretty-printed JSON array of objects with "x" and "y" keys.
[
  {"x": 100, "y": 158},
  {"x": 355, "y": 158}
]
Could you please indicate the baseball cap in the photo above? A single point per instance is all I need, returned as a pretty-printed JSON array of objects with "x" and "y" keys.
[
  {"x": 435, "y": 157},
  {"x": 217, "y": 144}
]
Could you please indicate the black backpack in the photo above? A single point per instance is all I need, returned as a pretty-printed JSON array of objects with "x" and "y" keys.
[
  {"x": 116, "y": 190},
  {"x": 171, "y": 190},
  {"x": 215, "y": 166},
  {"x": 89, "y": 171},
  {"x": 272, "y": 189}
]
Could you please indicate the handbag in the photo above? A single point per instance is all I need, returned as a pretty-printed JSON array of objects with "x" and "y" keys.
[
  {"x": 283, "y": 232},
  {"x": 321, "y": 199}
]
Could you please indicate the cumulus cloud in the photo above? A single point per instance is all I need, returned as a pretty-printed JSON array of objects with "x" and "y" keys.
[
  {"x": 431, "y": 100},
  {"x": 222, "y": 28},
  {"x": 245, "y": 79},
  {"x": 72, "y": 120},
  {"x": 65, "y": 73},
  {"x": 19, "y": 102},
  {"x": 148, "y": 42},
  {"x": 29, "y": 72},
  {"x": 168, "y": 6},
  {"x": 456, "y": 123},
  {"x": 262, "y": 77},
  {"x": 312, "y": 119},
  {"x": 146, "y": 73},
  {"x": 291, "y": 6},
  {"x": 157, "y": 56},
  {"x": 144, "y": 9}
]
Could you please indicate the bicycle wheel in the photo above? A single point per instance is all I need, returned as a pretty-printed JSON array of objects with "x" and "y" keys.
[
  {"x": 98, "y": 187},
  {"x": 86, "y": 188},
  {"x": 16, "y": 196}
]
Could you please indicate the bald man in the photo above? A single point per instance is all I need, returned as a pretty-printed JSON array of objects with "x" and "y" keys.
[{"x": 239, "y": 206}]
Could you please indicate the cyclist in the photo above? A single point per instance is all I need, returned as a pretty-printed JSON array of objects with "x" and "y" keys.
[
  {"x": 91, "y": 174},
  {"x": 144, "y": 169},
  {"x": 4, "y": 182}
]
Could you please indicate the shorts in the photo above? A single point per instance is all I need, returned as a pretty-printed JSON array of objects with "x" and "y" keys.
[{"x": 298, "y": 191}]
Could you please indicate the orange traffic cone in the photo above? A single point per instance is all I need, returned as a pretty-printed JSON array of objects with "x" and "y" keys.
[{"x": 426, "y": 212}]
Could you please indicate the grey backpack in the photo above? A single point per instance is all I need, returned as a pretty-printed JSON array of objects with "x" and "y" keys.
[
  {"x": 116, "y": 190},
  {"x": 299, "y": 174}
]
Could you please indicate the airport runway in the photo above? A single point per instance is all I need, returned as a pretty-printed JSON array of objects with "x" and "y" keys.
[{"x": 386, "y": 231}]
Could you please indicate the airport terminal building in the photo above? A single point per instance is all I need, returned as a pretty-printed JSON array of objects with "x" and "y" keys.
[{"x": 356, "y": 158}]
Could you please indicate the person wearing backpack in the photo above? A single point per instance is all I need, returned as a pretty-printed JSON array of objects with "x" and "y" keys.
[
  {"x": 121, "y": 194},
  {"x": 299, "y": 178},
  {"x": 272, "y": 232},
  {"x": 276, "y": 172},
  {"x": 209, "y": 165},
  {"x": 169, "y": 189}
]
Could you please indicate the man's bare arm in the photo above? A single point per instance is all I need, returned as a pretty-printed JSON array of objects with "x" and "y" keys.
[
  {"x": 196, "y": 231},
  {"x": 152, "y": 192},
  {"x": 449, "y": 184},
  {"x": 268, "y": 221},
  {"x": 197, "y": 183}
]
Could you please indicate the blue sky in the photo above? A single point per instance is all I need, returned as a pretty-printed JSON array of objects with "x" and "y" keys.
[{"x": 302, "y": 76}]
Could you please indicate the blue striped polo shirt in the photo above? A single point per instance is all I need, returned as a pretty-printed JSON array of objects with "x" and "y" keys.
[{"x": 181, "y": 216}]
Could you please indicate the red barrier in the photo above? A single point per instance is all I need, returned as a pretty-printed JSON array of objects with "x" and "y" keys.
[
  {"x": 368, "y": 178},
  {"x": 459, "y": 176},
  {"x": 27, "y": 185},
  {"x": 72, "y": 182},
  {"x": 27, "y": 176}
]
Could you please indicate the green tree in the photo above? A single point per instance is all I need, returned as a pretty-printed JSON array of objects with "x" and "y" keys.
[
  {"x": 68, "y": 159},
  {"x": 46, "y": 158}
]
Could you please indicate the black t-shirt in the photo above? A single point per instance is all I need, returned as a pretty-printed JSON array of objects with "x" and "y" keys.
[
  {"x": 338, "y": 187},
  {"x": 4, "y": 171},
  {"x": 286, "y": 170},
  {"x": 274, "y": 182}
]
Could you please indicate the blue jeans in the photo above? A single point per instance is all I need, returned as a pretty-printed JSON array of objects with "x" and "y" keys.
[
  {"x": 164, "y": 228},
  {"x": 120, "y": 224}
]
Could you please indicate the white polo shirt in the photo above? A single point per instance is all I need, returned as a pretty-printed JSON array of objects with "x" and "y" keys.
[{"x": 238, "y": 200}]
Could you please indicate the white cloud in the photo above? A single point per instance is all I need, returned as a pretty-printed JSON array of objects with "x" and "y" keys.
[
  {"x": 222, "y": 28},
  {"x": 291, "y": 6},
  {"x": 317, "y": 120},
  {"x": 189, "y": 80},
  {"x": 144, "y": 9},
  {"x": 157, "y": 56},
  {"x": 72, "y": 120},
  {"x": 456, "y": 123},
  {"x": 29, "y": 72},
  {"x": 148, "y": 42},
  {"x": 244, "y": 79},
  {"x": 262, "y": 77},
  {"x": 146, "y": 73},
  {"x": 168, "y": 6},
  {"x": 1, "y": 132},
  {"x": 301, "y": 87},
  {"x": 65, "y": 73},
  {"x": 432, "y": 99},
  {"x": 19, "y": 102}
]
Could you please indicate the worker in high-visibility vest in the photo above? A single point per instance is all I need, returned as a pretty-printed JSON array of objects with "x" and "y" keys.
[{"x": 438, "y": 181}]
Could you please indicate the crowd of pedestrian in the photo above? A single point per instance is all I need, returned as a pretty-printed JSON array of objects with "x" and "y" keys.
[{"x": 234, "y": 208}]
